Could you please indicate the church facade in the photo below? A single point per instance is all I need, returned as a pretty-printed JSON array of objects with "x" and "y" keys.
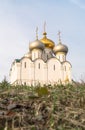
[{"x": 45, "y": 63}]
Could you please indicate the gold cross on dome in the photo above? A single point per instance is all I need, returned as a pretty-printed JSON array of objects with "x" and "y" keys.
[
  {"x": 59, "y": 35},
  {"x": 45, "y": 26}
]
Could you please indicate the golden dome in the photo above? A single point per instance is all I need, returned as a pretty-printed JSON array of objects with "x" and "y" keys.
[{"x": 47, "y": 42}]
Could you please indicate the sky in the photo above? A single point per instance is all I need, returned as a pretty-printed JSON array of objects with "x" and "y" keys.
[{"x": 18, "y": 22}]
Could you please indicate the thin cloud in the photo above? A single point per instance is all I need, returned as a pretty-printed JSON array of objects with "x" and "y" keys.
[{"x": 79, "y": 3}]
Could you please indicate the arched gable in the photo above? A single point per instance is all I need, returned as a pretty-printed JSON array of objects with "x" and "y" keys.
[
  {"x": 53, "y": 59},
  {"x": 26, "y": 62},
  {"x": 39, "y": 61},
  {"x": 67, "y": 63},
  {"x": 53, "y": 62},
  {"x": 25, "y": 58}
]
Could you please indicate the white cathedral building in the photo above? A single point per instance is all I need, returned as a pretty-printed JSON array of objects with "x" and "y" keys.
[{"x": 44, "y": 63}]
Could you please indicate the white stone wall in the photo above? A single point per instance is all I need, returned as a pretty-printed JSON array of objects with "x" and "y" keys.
[
  {"x": 67, "y": 71},
  {"x": 15, "y": 73},
  {"x": 25, "y": 70},
  {"x": 35, "y": 71},
  {"x": 53, "y": 70},
  {"x": 39, "y": 71}
]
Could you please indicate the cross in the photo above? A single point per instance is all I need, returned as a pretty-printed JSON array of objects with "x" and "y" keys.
[
  {"x": 36, "y": 32},
  {"x": 44, "y": 26},
  {"x": 59, "y": 35}
]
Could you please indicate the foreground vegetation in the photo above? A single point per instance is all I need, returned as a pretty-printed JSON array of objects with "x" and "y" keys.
[{"x": 58, "y": 107}]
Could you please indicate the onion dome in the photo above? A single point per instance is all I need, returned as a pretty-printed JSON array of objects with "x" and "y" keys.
[
  {"x": 28, "y": 55},
  {"x": 37, "y": 44},
  {"x": 47, "y": 42},
  {"x": 60, "y": 47}
]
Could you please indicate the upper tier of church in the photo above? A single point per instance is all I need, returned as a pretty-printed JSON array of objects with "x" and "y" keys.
[{"x": 44, "y": 63}]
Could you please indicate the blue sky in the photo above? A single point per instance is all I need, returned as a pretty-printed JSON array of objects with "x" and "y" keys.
[{"x": 18, "y": 22}]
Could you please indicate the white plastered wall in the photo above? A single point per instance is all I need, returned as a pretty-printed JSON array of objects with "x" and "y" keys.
[
  {"x": 53, "y": 70},
  {"x": 15, "y": 73},
  {"x": 67, "y": 71},
  {"x": 26, "y": 71},
  {"x": 39, "y": 71}
]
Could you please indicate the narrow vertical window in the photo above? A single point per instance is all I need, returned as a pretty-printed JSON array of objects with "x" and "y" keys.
[
  {"x": 38, "y": 55},
  {"x": 63, "y": 57},
  {"x": 54, "y": 67},
  {"x": 34, "y": 55},
  {"x": 24, "y": 83},
  {"x": 59, "y": 57},
  {"x": 39, "y": 66},
  {"x": 65, "y": 68},
  {"x": 24, "y": 64},
  {"x": 47, "y": 56}
]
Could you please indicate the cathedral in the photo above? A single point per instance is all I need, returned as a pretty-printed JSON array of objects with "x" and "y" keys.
[{"x": 44, "y": 63}]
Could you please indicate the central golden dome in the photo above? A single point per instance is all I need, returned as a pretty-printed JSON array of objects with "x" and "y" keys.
[{"x": 48, "y": 43}]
